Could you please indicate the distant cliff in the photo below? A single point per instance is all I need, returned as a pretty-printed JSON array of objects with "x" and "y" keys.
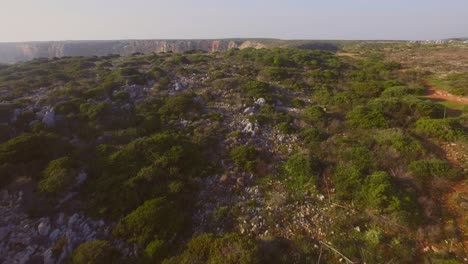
[
  {"x": 23, "y": 51},
  {"x": 14, "y": 52}
]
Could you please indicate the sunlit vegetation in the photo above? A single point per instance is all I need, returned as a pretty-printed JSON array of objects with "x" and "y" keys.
[{"x": 352, "y": 138}]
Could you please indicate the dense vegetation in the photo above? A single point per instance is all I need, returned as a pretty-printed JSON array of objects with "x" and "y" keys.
[{"x": 348, "y": 138}]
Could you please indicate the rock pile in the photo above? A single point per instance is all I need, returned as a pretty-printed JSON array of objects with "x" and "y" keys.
[{"x": 51, "y": 239}]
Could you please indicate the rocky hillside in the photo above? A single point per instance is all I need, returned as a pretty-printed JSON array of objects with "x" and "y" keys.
[{"x": 238, "y": 157}]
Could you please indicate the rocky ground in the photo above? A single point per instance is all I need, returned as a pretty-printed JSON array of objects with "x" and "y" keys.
[{"x": 50, "y": 239}]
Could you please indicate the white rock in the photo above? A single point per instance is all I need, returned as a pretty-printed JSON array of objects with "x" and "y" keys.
[
  {"x": 249, "y": 110},
  {"x": 73, "y": 219},
  {"x": 49, "y": 118},
  {"x": 260, "y": 101},
  {"x": 179, "y": 86},
  {"x": 250, "y": 128},
  {"x": 54, "y": 235},
  {"x": 44, "y": 227},
  {"x": 82, "y": 176}
]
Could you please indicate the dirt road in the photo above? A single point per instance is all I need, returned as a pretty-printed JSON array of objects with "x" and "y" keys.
[{"x": 439, "y": 94}]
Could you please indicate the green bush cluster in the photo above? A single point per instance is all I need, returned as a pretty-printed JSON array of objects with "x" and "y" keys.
[
  {"x": 425, "y": 170},
  {"x": 257, "y": 89},
  {"x": 154, "y": 219},
  {"x": 443, "y": 129},
  {"x": 302, "y": 171},
  {"x": 229, "y": 249},
  {"x": 178, "y": 106},
  {"x": 58, "y": 176},
  {"x": 94, "y": 252},
  {"x": 245, "y": 157}
]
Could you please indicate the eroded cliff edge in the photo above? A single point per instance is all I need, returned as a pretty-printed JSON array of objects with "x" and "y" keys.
[{"x": 15, "y": 52}]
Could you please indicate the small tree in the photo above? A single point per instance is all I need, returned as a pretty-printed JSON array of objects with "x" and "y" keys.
[
  {"x": 244, "y": 157},
  {"x": 302, "y": 171},
  {"x": 58, "y": 176},
  {"x": 94, "y": 252}
]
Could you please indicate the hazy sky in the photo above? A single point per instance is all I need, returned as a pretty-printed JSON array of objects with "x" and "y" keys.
[{"x": 25, "y": 20}]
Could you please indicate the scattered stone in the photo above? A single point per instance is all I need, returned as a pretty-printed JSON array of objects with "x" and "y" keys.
[
  {"x": 179, "y": 87},
  {"x": 249, "y": 110}
]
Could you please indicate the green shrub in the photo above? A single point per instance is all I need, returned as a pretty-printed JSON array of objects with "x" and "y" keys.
[
  {"x": 156, "y": 218},
  {"x": 25, "y": 150},
  {"x": 209, "y": 249},
  {"x": 400, "y": 91},
  {"x": 276, "y": 73},
  {"x": 359, "y": 157},
  {"x": 311, "y": 135},
  {"x": 367, "y": 89},
  {"x": 298, "y": 103},
  {"x": 29, "y": 147},
  {"x": 302, "y": 171},
  {"x": 314, "y": 114},
  {"x": 245, "y": 157},
  {"x": 257, "y": 89},
  {"x": 443, "y": 129},
  {"x": 286, "y": 128},
  {"x": 94, "y": 111},
  {"x": 363, "y": 117},
  {"x": 58, "y": 176},
  {"x": 178, "y": 106},
  {"x": 94, "y": 252},
  {"x": 426, "y": 170},
  {"x": 399, "y": 141},
  {"x": 156, "y": 251},
  {"x": 378, "y": 193},
  {"x": 142, "y": 170},
  {"x": 347, "y": 182}
]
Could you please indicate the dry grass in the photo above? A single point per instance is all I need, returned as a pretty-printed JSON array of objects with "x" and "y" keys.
[{"x": 436, "y": 59}]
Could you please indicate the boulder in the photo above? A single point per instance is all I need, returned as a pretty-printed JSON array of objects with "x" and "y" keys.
[
  {"x": 73, "y": 219},
  {"x": 260, "y": 101},
  {"x": 54, "y": 235},
  {"x": 250, "y": 128},
  {"x": 179, "y": 87},
  {"x": 44, "y": 227},
  {"x": 49, "y": 117}
]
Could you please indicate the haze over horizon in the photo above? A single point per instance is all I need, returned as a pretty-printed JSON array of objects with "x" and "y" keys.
[{"x": 29, "y": 20}]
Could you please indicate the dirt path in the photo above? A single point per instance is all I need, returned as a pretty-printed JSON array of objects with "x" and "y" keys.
[{"x": 439, "y": 94}]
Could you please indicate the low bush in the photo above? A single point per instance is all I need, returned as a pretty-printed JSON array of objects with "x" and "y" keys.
[
  {"x": 302, "y": 171},
  {"x": 257, "y": 89},
  {"x": 58, "y": 176},
  {"x": 154, "y": 219},
  {"x": 94, "y": 252},
  {"x": 245, "y": 157},
  {"x": 443, "y": 129},
  {"x": 363, "y": 117},
  {"x": 425, "y": 170},
  {"x": 229, "y": 249},
  {"x": 314, "y": 114}
]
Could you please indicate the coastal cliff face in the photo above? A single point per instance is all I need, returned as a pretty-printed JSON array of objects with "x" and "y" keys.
[{"x": 15, "y": 52}]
